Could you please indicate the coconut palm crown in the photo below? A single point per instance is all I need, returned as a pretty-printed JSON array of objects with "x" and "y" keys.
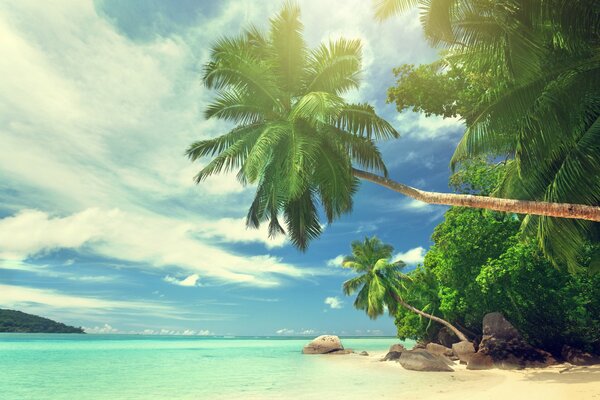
[{"x": 295, "y": 138}]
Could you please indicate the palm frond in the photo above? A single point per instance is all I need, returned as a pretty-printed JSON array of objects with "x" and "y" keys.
[
  {"x": 236, "y": 106},
  {"x": 334, "y": 181},
  {"x": 317, "y": 107},
  {"x": 272, "y": 134},
  {"x": 352, "y": 285},
  {"x": 385, "y": 9},
  {"x": 302, "y": 220},
  {"x": 334, "y": 67},
  {"x": 362, "y": 150},
  {"x": 289, "y": 49},
  {"x": 216, "y": 145},
  {"x": 361, "y": 120}
]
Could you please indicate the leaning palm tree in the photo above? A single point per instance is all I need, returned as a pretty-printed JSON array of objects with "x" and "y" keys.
[
  {"x": 298, "y": 140},
  {"x": 543, "y": 112},
  {"x": 380, "y": 282}
]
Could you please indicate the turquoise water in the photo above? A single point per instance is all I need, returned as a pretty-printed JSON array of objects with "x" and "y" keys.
[{"x": 42, "y": 366}]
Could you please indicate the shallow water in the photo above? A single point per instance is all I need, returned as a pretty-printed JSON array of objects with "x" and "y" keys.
[{"x": 41, "y": 366}]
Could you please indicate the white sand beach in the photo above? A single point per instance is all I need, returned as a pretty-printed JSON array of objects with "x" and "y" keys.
[{"x": 559, "y": 382}]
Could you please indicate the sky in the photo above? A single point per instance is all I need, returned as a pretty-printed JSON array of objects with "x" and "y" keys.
[{"x": 101, "y": 224}]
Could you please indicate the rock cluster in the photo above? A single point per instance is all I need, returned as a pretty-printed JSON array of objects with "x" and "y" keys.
[
  {"x": 578, "y": 357},
  {"x": 503, "y": 345}
]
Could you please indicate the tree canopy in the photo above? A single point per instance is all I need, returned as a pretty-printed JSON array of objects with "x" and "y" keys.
[{"x": 525, "y": 76}]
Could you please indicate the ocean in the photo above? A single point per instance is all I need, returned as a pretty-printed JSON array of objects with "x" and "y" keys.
[{"x": 132, "y": 367}]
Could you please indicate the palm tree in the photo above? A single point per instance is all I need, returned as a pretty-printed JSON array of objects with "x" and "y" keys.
[
  {"x": 381, "y": 282},
  {"x": 543, "y": 112},
  {"x": 298, "y": 140}
]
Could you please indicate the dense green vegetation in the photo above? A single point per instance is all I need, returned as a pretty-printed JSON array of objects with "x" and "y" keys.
[
  {"x": 480, "y": 263},
  {"x": 525, "y": 76},
  {"x": 20, "y": 322}
]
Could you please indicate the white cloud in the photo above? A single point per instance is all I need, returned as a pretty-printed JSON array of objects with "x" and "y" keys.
[
  {"x": 285, "y": 331},
  {"x": 289, "y": 332},
  {"x": 108, "y": 329},
  {"x": 14, "y": 296},
  {"x": 154, "y": 240},
  {"x": 411, "y": 257},
  {"x": 336, "y": 262},
  {"x": 190, "y": 281},
  {"x": 101, "y": 329},
  {"x": 234, "y": 230},
  {"x": 333, "y": 302},
  {"x": 421, "y": 127},
  {"x": 417, "y": 207}
]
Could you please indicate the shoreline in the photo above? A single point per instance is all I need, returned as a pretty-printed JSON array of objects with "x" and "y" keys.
[{"x": 557, "y": 382}]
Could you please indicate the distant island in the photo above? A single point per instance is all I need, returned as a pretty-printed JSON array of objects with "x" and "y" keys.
[{"x": 20, "y": 322}]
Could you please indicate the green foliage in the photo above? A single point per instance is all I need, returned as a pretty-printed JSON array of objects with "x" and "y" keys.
[
  {"x": 550, "y": 307},
  {"x": 422, "y": 295},
  {"x": 477, "y": 177},
  {"x": 296, "y": 138},
  {"x": 438, "y": 89},
  {"x": 480, "y": 263},
  {"x": 525, "y": 76},
  {"x": 20, "y": 322}
]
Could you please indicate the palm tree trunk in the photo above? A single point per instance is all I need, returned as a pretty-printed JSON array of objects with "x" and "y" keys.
[
  {"x": 447, "y": 324},
  {"x": 561, "y": 210}
]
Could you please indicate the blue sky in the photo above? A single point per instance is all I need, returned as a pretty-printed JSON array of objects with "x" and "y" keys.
[{"x": 101, "y": 225}]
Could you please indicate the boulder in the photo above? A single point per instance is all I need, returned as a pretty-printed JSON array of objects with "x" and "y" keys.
[
  {"x": 439, "y": 349},
  {"x": 399, "y": 347},
  {"x": 507, "y": 348},
  {"x": 463, "y": 350},
  {"x": 323, "y": 344},
  {"x": 394, "y": 352},
  {"x": 446, "y": 338},
  {"x": 364, "y": 353},
  {"x": 578, "y": 357},
  {"x": 422, "y": 360},
  {"x": 392, "y": 356},
  {"x": 479, "y": 361},
  {"x": 494, "y": 324}
]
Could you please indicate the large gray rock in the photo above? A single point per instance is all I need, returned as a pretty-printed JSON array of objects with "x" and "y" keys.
[
  {"x": 394, "y": 353},
  {"x": 494, "y": 324},
  {"x": 422, "y": 360},
  {"x": 507, "y": 348},
  {"x": 578, "y": 357},
  {"x": 439, "y": 349},
  {"x": 463, "y": 350},
  {"x": 323, "y": 344},
  {"x": 479, "y": 361}
]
